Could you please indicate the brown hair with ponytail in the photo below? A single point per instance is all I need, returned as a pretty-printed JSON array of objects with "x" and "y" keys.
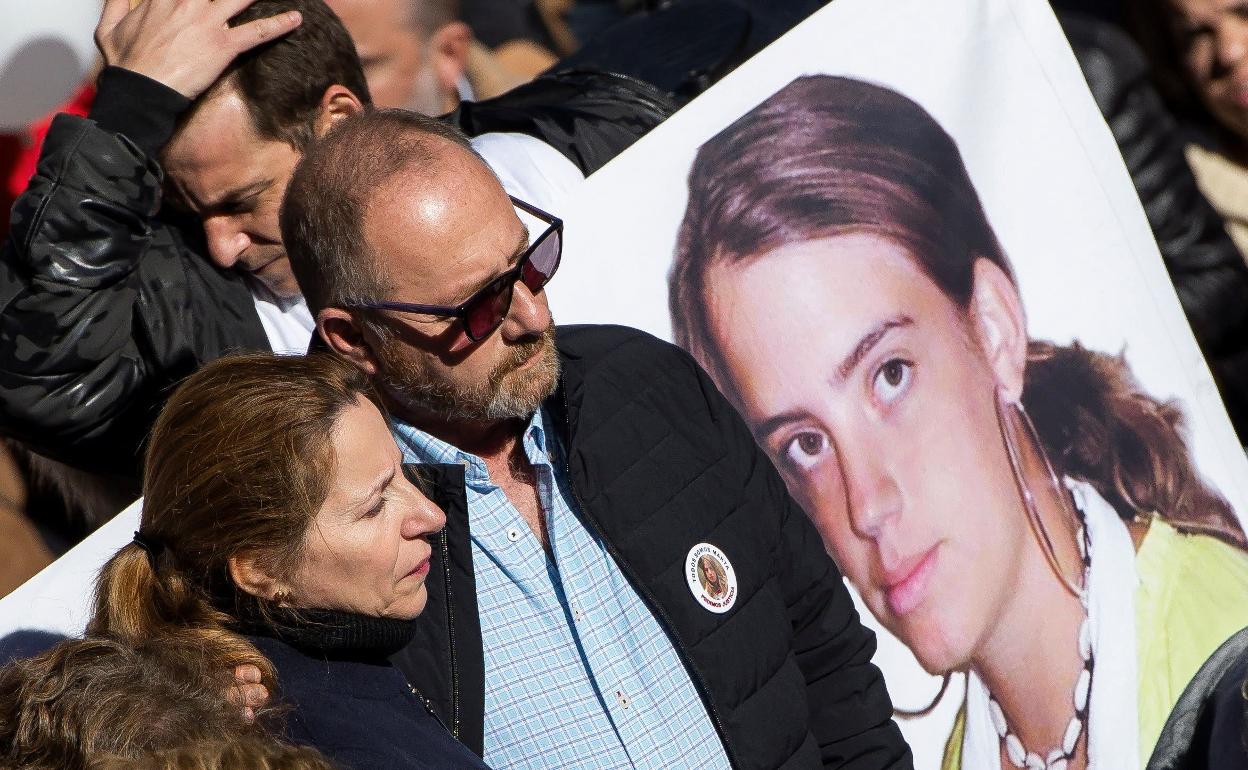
[
  {"x": 828, "y": 155},
  {"x": 238, "y": 463}
]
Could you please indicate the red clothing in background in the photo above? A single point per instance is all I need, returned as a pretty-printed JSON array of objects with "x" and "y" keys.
[{"x": 20, "y": 153}]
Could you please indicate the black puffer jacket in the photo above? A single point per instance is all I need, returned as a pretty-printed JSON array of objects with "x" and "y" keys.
[
  {"x": 1207, "y": 270},
  {"x": 659, "y": 462},
  {"x": 106, "y": 302}
]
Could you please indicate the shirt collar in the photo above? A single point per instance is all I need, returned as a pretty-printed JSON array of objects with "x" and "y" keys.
[{"x": 421, "y": 447}]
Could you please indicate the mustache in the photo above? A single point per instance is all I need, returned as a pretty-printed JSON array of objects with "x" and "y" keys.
[{"x": 521, "y": 353}]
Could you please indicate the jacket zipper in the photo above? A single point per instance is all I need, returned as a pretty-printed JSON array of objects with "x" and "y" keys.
[
  {"x": 450, "y": 619},
  {"x": 428, "y": 705},
  {"x": 699, "y": 682}
]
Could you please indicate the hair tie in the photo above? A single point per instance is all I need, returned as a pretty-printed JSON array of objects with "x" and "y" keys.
[{"x": 150, "y": 545}]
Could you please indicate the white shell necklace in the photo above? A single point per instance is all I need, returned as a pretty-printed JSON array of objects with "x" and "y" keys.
[{"x": 1060, "y": 757}]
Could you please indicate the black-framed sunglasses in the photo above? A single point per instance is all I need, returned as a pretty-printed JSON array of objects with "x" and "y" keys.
[{"x": 485, "y": 310}]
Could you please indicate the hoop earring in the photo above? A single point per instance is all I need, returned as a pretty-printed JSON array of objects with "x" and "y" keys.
[
  {"x": 929, "y": 708},
  {"x": 1029, "y": 500}
]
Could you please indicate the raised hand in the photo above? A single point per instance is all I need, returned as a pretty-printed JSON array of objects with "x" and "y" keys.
[{"x": 184, "y": 44}]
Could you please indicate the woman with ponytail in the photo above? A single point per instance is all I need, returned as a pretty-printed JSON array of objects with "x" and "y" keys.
[
  {"x": 280, "y": 530},
  {"x": 1009, "y": 508}
]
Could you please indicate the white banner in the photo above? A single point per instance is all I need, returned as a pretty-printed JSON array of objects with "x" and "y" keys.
[{"x": 817, "y": 278}]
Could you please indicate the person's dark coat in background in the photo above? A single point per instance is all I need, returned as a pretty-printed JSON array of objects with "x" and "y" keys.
[{"x": 1207, "y": 270}]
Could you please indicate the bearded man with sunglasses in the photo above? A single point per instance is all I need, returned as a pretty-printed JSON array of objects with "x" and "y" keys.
[{"x": 566, "y": 624}]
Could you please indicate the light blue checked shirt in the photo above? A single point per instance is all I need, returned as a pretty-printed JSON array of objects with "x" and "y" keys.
[{"x": 578, "y": 673}]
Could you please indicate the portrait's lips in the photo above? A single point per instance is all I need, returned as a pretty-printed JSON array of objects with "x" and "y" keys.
[{"x": 906, "y": 583}]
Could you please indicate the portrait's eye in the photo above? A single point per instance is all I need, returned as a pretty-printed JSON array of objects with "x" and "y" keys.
[
  {"x": 892, "y": 379},
  {"x": 806, "y": 449}
]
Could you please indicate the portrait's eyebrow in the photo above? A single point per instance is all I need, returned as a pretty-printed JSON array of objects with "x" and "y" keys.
[
  {"x": 775, "y": 422},
  {"x": 860, "y": 351},
  {"x": 867, "y": 342}
]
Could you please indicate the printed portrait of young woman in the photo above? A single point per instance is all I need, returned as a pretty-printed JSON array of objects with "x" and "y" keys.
[{"x": 1011, "y": 509}]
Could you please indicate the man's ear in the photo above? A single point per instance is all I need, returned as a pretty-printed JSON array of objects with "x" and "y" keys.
[
  {"x": 1000, "y": 326},
  {"x": 250, "y": 576},
  {"x": 337, "y": 102},
  {"x": 347, "y": 338},
  {"x": 448, "y": 47}
]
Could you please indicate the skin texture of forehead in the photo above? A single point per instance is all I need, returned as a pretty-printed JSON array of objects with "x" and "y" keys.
[
  {"x": 453, "y": 200},
  {"x": 220, "y": 122}
]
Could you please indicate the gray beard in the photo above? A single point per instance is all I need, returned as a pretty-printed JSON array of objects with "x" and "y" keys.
[{"x": 498, "y": 398}]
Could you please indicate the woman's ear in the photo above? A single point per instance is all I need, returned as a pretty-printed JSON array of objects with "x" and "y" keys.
[
  {"x": 340, "y": 331},
  {"x": 1001, "y": 327},
  {"x": 248, "y": 575}
]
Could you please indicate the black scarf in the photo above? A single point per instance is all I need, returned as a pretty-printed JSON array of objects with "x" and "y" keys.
[{"x": 332, "y": 633}]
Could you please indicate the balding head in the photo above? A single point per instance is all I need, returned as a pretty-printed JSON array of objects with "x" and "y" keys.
[
  {"x": 393, "y": 223},
  {"x": 332, "y": 191}
]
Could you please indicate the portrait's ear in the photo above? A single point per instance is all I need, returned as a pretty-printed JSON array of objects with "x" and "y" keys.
[
  {"x": 337, "y": 103},
  {"x": 999, "y": 323},
  {"x": 344, "y": 336},
  {"x": 250, "y": 576}
]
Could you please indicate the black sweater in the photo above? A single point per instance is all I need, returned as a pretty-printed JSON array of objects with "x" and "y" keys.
[{"x": 348, "y": 701}]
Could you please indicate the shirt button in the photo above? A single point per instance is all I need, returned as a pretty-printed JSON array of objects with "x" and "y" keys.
[
  {"x": 577, "y": 612},
  {"x": 513, "y": 534},
  {"x": 623, "y": 699}
]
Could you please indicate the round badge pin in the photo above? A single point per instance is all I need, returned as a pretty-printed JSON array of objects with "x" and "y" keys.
[{"x": 712, "y": 581}]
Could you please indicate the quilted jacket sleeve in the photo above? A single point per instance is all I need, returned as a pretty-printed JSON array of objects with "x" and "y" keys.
[
  {"x": 94, "y": 303},
  {"x": 851, "y": 714}
]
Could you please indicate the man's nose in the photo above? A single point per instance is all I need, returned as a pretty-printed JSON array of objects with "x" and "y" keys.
[
  {"x": 529, "y": 315},
  {"x": 226, "y": 243}
]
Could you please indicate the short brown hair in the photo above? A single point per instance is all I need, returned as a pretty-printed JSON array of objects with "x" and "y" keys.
[
  {"x": 95, "y": 697},
  {"x": 282, "y": 82},
  {"x": 328, "y": 197},
  {"x": 239, "y": 463}
]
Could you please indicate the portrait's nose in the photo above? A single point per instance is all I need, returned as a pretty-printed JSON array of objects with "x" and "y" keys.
[
  {"x": 226, "y": 243},
  {"x": 872, "y": 494},
  {"x": 529, "y": 315}
]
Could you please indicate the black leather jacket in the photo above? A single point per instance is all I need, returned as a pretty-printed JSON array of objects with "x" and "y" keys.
[
  {"x": 658, "y": 461},
  {"x": 106, "y": 302},
  {"x": 1207, "y": 270}
]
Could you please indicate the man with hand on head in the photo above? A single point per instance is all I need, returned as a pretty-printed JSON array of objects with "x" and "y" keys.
[
  {"x": 147, "y": 243},
  {"x": 568, "y": 624}
]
